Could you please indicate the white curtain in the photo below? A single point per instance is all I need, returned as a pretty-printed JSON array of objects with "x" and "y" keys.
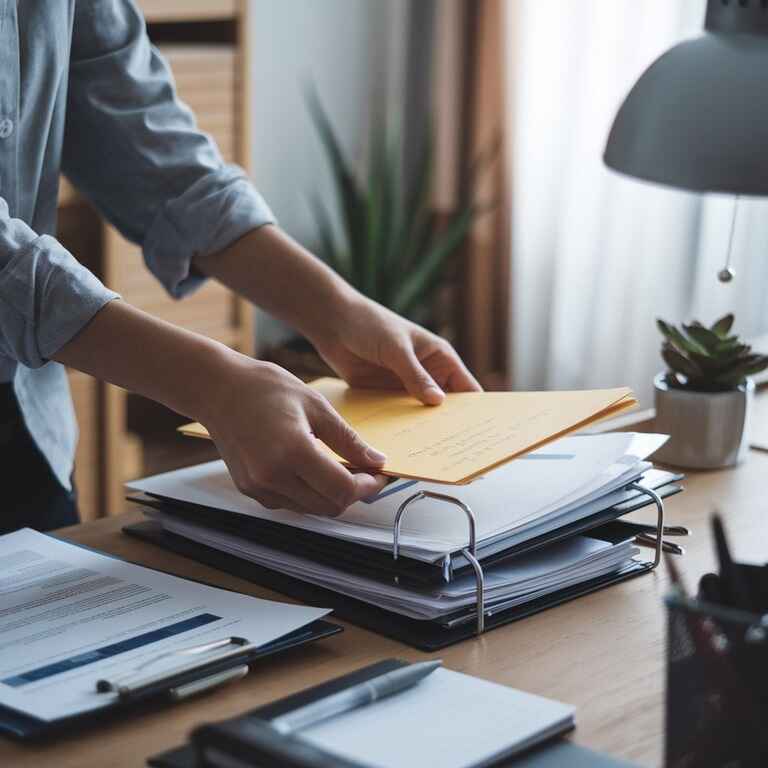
[{"x": 596, "y": 257}]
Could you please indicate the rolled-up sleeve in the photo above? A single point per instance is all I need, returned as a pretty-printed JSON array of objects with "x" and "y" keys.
[
  {"x": 46, "y": 295},
  {"x": 134, "y": 149}
]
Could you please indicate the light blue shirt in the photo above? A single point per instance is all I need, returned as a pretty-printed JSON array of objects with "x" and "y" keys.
[{"x": 83, "y": 91}]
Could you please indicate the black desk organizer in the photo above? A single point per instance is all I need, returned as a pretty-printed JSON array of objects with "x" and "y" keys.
[
  {"x": 421, "y": 634},
  {"x": 717, "y": 702}
]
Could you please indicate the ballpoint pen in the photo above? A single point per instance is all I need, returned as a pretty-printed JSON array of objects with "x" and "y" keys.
[
  {"x": 646, "y": 540},
  {"x": 355, "y": 696},
  {"x": 667, "y": 530},
  {"x": 733, "y": 589}
]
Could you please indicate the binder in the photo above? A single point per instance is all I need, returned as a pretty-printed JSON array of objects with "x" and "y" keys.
[
  {"x": 274, "y": 752},
  {"x": 379, "y": 564},
  {"x": 421, "y": 634}
]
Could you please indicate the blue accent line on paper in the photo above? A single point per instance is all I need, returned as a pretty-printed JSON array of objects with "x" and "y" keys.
[
  {"x": 547, "y": 456},
  {"x": 396, "y": 487},
  {"x": 107, "y": 651}
]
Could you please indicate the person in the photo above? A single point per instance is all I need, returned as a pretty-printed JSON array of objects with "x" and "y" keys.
[{"x": 83, "y": 92}]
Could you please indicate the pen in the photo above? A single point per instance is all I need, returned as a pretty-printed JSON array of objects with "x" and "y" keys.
[
  {"x": 646, "y": 540},
  {"x": 354, "y": 697},
  {"x": 733, "y": 589},
  {"x": 667, "y": 530}
]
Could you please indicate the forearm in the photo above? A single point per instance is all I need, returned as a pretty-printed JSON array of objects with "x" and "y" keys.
[
  {"x": 134, "y": 350},
  {"x": 277, "y": 274}
]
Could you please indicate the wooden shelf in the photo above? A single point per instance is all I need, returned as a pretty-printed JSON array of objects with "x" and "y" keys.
[
  {"x": 157, "y": 11},
  {"x": 206, "y": 45}
]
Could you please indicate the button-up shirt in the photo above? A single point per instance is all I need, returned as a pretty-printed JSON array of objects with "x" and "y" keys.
[{"x": 82, "y": 91}]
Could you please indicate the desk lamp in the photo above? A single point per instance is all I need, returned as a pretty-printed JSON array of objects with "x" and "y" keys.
[{"x": 697, "y": 118}]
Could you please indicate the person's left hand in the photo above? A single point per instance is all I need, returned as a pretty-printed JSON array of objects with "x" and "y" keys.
[{"x": 372, "y": 347}]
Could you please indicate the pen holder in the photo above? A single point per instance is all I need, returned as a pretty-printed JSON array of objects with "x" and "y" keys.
[{"x": 717, "y": 686}]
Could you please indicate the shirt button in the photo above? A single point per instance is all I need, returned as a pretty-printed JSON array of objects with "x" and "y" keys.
[{"x": 6, "y": 127}]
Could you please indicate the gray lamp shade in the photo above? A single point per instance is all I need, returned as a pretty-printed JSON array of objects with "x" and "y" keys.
[{"x": 698, "y": 116}]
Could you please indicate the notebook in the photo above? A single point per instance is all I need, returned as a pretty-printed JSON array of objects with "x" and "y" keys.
[{"x": 449, "y": 719}]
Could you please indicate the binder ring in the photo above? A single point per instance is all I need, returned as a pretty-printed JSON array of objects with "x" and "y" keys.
[
  {"x": 469, "y": 552},
  {"x": 659, "y": 520}
]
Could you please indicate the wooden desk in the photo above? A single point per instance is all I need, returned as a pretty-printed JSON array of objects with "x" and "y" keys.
[{"x": 603, "y": 653}]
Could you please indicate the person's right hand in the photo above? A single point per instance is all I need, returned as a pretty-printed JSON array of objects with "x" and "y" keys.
[{"x": 266, "y": 424}]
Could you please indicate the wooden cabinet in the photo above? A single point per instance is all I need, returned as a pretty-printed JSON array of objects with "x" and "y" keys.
[
  {"x": 205, "y": 43},
  {"x": 85, "y": 395}
]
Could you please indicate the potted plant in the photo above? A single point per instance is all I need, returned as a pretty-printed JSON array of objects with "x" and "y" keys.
[
  {"x": 703, "y": 400},
  {"x": 392, "y": 246}
]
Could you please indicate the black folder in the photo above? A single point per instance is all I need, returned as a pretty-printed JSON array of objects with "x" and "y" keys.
[
  {"x": 378, "y": 564},
  {"x": 424, "y": 635}
]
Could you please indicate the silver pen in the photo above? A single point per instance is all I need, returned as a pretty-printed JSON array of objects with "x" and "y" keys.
[{"x": 354, "y": 697}]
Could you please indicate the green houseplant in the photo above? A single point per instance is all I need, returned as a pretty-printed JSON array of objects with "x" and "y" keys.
[
  {"x": 393, "y": 247},
  {"x": 703, "y": 401}
]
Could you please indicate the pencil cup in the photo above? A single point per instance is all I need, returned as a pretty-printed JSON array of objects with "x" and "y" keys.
[{"x": 717, "y": 686}]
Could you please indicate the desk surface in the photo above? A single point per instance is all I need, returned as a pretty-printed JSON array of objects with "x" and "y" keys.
[{"x": 604, "y": 653}]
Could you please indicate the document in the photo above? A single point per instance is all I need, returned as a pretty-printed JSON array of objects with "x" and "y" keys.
[
  {"x": 470, "y": 433},
  {"x": 548, "y": 487},
  {"x": 449, "y": 719},
  {"x": 512, "y": 582},
  {"x": 70, "y": 616}
]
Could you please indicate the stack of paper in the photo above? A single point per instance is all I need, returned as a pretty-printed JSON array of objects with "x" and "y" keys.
[
  {"x": 541, "y": 493},
  {"x": 544, "y": 490}
]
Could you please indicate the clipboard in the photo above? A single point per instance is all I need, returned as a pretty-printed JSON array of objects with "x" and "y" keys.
[
  {"x": 175, "y": 685},
  {"x": 424, "y": 635}
]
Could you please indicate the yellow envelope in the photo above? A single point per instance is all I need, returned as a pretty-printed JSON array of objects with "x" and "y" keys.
[{"x": 469, "y": 434}]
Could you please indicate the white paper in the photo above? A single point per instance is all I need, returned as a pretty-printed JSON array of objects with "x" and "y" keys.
[
  {"x": 551, "y": 482},
  {"x": 541, "y": 572},
  {"x": 449, "y": 720},
  {"x": 64, "y": 610}
]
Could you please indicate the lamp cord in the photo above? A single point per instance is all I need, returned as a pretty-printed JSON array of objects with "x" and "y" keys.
[{"x": 727, "y": 273}]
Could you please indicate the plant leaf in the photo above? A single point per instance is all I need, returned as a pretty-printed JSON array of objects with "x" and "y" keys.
[
  {"x": 328, "y": 250},
  {"x": 682, "y": 343},
  {"x": 351, "y": 198},
  {"x": 723, "y": 326},
  {"x": 680, "y": 364},
  {"x": 416, "y": 219},
  {"x": 703, "y": 336},
  {"x": 414, "y": 284}
]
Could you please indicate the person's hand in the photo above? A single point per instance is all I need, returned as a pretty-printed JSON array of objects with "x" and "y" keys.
[
  {"x": 372, "y": 347},
  {"x": 266, "y": 424}
]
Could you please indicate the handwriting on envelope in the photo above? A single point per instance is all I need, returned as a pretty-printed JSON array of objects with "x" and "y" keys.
[{"x": 470, "y": 433}]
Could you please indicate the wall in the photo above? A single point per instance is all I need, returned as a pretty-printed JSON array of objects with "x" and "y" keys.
[{"x": 353, "y": 51}]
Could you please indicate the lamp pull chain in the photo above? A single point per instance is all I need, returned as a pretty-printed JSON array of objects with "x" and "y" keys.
[{"x": 727, "y": 273}]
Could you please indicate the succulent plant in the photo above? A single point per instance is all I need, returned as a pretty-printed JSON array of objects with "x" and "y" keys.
[
  {"x": 705, "y": 359},
  {"x": 393, "y": 247}
]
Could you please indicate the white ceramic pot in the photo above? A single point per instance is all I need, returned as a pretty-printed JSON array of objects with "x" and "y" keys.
[{"x": 707, "y": 429}]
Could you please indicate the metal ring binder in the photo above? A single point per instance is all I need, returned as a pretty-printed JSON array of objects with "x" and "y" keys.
[
  {"x": 470, "y": 552},
  {"x": 657, "y": 500}
]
